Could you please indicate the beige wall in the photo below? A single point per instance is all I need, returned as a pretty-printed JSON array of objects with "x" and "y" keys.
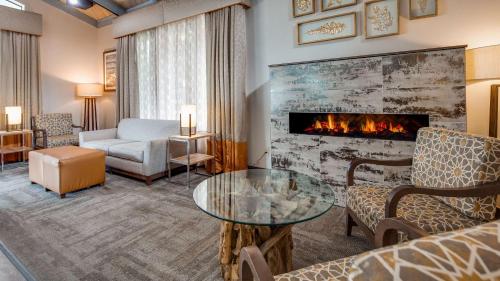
[
  {"x": 71, "y": 52},
  {"x": 271, "y": 37}
]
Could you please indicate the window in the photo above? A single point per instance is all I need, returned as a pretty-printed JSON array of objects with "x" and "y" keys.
[
  {"x": 171, "y": 62},
  {"x": 12, "y": 4}
]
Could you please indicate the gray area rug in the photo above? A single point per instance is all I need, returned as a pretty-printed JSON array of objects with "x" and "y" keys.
[{"x": 128, "y": 231}]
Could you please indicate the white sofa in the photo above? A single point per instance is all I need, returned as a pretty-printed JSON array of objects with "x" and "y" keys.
[{"x": 137, "y": 148}]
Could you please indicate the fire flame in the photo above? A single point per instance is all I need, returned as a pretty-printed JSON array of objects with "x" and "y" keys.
[{"x": 368, "y": 126}]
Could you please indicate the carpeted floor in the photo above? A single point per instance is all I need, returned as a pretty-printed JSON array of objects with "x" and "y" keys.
[{"x": 128, "y": 231}]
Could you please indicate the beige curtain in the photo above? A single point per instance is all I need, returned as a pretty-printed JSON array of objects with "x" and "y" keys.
[
  {"x": 226, "y": 64},
  {"x": 20, "y": 74},
  {"x": 127, "y": 82}
]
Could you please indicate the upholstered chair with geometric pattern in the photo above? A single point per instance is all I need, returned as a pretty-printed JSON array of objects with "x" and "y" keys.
[
  {"x": 54, "y": 129},
  {"x": 455, "y": 182},
  {"x": 468, "y": 254}
]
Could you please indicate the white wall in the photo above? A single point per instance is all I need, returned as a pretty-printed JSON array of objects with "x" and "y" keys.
[
  {"x": 271, "y": 39},
  {"x": 106, "y": 103}
]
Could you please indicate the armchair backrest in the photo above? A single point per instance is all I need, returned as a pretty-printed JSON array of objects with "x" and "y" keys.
[
  {"x": 469, "y": 254},
  {"x": 450, "y": 159},
  {"x": 145, "y": 129},
  {"x": 56, "y": 124}
]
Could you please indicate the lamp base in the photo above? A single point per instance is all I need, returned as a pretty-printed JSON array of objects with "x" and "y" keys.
[
  {"x": 494, "y": 111},
  {"x": 90, "y": 114},
  {"x": 187, "y": 131}
]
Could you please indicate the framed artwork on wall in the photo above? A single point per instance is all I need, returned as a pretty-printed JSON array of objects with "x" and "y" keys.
[
  {"x": 326, "y": 29},
  {"x": 327, "y": 5},
  {"x": 381, "y": 18},
  {"x": 109, "y": 65},
  {"x": 423, "y": 9},
  {"x": 303, "y": 7}
]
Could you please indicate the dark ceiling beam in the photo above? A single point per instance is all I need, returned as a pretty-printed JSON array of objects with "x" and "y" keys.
[
  {"x": 142, "y": 5},
  {"x": 111, "y": 6},
  {"x": 72, "y": 11}
]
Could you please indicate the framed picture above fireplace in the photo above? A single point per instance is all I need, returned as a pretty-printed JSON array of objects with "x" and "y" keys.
[
  {"x": 381, "y": 18},
  {"x": 326, "y": 29}
]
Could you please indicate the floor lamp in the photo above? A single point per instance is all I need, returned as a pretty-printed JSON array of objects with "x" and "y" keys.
[
  {"x": 89, "y": 92},
  {"x": 483, "y": 64}
]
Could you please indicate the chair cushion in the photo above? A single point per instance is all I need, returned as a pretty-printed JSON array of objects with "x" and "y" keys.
[
  {"x": 56, "y": 141},
  {"x": 105, "y": 144},
  {"x": 133, "y": 151},
  {"x": 471, "y": 254},
  {"x": 429, "y": 213},
  {"x": 448, "y": 159},
  {"x": 56, "y": 124},
  {"x": 337, "y": 270}
]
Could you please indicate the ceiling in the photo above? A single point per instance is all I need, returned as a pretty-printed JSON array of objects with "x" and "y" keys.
[{"x": 103, "y": 11}]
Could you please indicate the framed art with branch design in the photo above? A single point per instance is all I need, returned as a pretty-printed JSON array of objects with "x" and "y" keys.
[
  {"x": 327, "y": 29},
  {"x": 327, "y": 5},
  {"x": 303, "y": 7},
  {"x": 381, "y": 18}
]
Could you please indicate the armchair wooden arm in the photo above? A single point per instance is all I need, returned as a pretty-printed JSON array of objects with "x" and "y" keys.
[
  {"x": 359, "y": 161},
  {"x": 397, "y": 193},
  {"x": 78, "y": 127},
  {"x": 253, "y": 266},
  {"x": 44, "y": 137},
  {"x": 386, "y": 233}
]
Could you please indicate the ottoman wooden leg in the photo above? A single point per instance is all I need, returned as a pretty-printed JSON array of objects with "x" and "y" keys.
[{"x": 62, "y": 196}]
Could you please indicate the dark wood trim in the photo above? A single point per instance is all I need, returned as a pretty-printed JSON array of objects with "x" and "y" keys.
[
  {"x": 253, "y": 265},
  {"x": 494, "y": 111},
  {"x": 147, "y": 179},
  {"x": 386, "y": 233},
  {"x": 373, "y": 55},
  {"x": 349, "y": 224},
  {"x": 399, "y": 192},
  {"x": 359, "y": 161},
  {"x": 368, "y": 233}
]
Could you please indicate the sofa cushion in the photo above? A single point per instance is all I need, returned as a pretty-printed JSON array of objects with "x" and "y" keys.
[
  {"x": 429, "y": 213},
  {"x": 133, "y": 151},
  {"x": 449, "y": 159},
  {"x": 56, "y": 141},
  {"x": 104, "y": 145},
  {"x": 470, "y": 254},
  {"x": 337, "y": 270},
  {"x": 55, "y": 124}
]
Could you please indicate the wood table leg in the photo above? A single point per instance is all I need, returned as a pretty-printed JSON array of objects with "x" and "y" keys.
[{"x": 275, "y": 244}]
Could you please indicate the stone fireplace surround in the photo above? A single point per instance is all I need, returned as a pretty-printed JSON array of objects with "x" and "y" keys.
[{"x": 428, "y": 81}]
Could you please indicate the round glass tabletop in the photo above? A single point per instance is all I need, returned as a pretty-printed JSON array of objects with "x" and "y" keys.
[{"x": 264, "y": 197}]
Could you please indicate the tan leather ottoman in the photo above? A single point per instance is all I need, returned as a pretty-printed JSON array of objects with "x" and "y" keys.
[{"x": 67, "y": 168}]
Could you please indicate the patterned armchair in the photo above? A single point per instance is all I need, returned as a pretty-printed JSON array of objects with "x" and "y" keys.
[
  {"x": 455, "y": 182},
  {"x": 469, "y": 254},
  {"x": 54, "y": 129}
]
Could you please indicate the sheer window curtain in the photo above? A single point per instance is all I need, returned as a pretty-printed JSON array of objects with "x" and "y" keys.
[{"x": 172, "y": 70}]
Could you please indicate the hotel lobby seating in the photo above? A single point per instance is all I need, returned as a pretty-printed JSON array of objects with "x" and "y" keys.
[
  {"x": 137, "y": 148},
  {"x": 455, "y": 180},
  {"x": 67, "y": 168},
  {"x": 464, "y": 255},
  {"x": 54, "y": 129}
]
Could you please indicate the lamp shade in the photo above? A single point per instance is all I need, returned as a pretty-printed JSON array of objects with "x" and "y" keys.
[
  {"x": 89, "y": 90},
  {"x": 14, "y": 115},
  {"x": 186, "y": 111},
  {"x": 483, "y": 63}
]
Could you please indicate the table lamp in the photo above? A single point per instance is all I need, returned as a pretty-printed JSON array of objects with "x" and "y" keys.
[
  {"x": 13, "y": 116},
  {"x": 188, "y": 120},
  {"x": 89, "y": 92},
  {"x": 484, "y": 64}
]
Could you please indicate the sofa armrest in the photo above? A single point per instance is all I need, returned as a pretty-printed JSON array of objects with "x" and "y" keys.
[
  {"x": 97, "y": 135},
  {"x": 155, "y": 157},
  {"x": 358, "y": 161},
  {"x": 253, "y": 266},
  {"x": 483, "y": 190}
]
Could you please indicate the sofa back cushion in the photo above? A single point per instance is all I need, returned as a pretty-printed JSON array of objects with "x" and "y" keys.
[
  {"x": 145, "y": 129},
  {"x": 56, "y": 124},
  {"x": 470, "y": 254},
  {"x": 449, "y": 159}
]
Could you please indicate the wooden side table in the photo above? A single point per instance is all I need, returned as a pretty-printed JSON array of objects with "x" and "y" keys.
[
  {"x": 19, "y": 148},
  {"x": 191, "y": 158}
]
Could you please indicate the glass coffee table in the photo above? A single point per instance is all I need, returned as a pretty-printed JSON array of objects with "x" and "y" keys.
[{"x": 259, "y": 207}]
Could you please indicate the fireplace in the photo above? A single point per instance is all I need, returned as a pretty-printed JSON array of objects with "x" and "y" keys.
[{"x": 357, "y": 125}]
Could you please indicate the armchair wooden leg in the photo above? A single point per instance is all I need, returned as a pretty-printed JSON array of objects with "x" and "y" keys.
[
  {"x": 349, "y": 224},
  {"x": 47, "y": 190},
  {"x": 62, "y": 196}
]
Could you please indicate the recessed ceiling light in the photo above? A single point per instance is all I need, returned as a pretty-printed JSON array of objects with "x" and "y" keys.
[
  {"x": 73, "y": 2},
  {"x": 82, "y": 4}
]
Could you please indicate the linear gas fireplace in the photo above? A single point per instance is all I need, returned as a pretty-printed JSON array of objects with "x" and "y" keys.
[{"x": 357, "y": 125}]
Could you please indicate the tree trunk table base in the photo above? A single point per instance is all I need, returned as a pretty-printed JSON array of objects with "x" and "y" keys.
[{"x": 275, "y": 244}]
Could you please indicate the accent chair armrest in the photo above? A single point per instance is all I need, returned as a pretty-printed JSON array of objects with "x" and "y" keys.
[
  {"x": 97, "y": 135},
  {"x": 253, "y": 266},
  {"x": 399, "y": 192},
  {"x": 386, "y": 233},
  {"x": 43, "y": 136},
  {"x": 77, "y": 127},
  {"x": 359, "y": 161}
]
